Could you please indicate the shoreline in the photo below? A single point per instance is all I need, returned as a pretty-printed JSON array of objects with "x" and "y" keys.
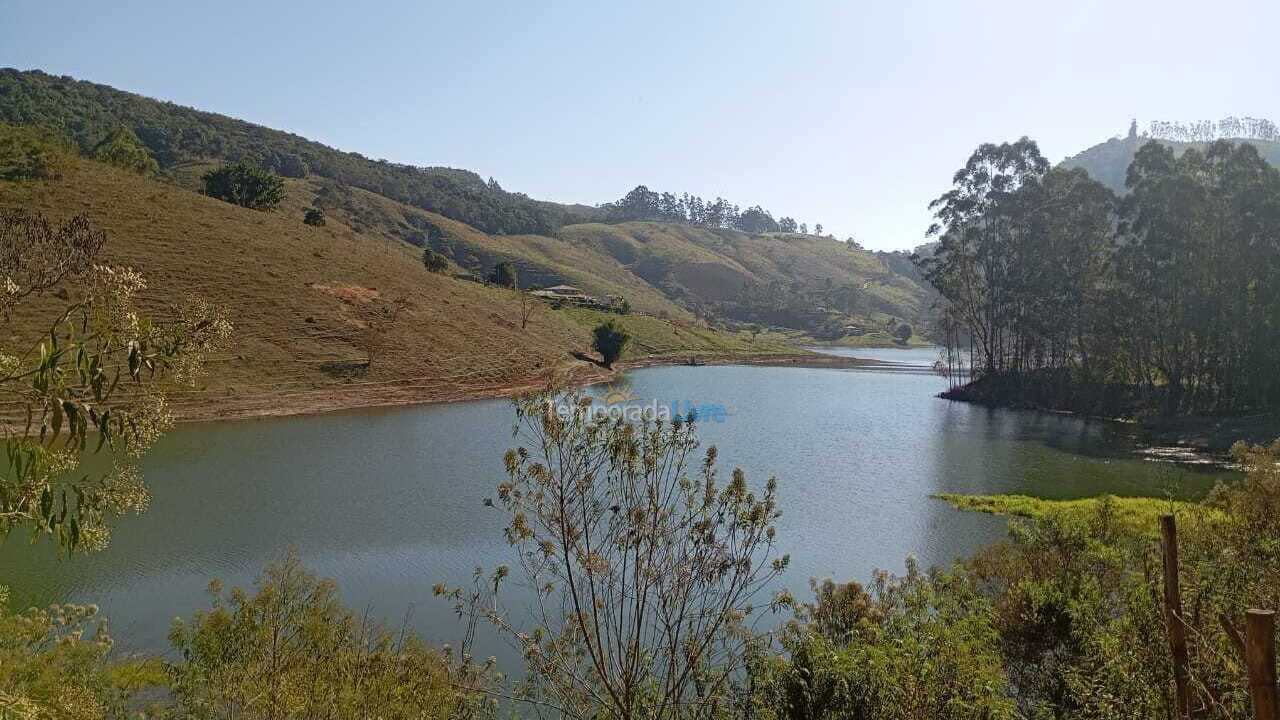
[
  {"x": 404, "y": 393},
  {"x": 1211, "y": 435}
]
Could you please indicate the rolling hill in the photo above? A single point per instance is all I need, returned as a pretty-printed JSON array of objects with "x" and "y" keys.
[
  {"x": 816, "y": 285},
  {"x": 296, "y": 293}
]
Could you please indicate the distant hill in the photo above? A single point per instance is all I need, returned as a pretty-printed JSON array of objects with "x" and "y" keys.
[
  {"x": 820, "y": 285},
  {"x": 681, "y": 271},
  {"x": 1108, "y": 162}
]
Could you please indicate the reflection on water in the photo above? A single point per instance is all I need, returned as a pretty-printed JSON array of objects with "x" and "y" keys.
[{"x": 390, "y": 502}]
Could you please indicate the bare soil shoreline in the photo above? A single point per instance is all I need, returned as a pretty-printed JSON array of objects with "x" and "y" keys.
[{"x": 399, "y": 393}]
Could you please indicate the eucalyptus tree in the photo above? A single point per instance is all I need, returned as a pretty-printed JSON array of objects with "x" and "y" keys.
[
  {"x": 87, "y": 382},
  {"x": 982, "y": 237},
  {"x": 1061, "y": 282},
  {"x": 1198, "y": 264},
  {"x": 1169, "y": 295}
]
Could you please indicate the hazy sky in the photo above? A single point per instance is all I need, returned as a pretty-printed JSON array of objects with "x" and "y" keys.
[{"x": 850, "y": 114}]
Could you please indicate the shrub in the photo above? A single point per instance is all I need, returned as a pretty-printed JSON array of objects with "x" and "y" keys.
[
  {"x": 293, "y": 650},
  {"x": 124, "y": 150},
  {"x": 918, "y": 647},
  {"x": 245, "y": 185},
  {"x": 52, "y": 664},
  {"x": 434, "y": 261},
  {"x": 610, "y": 339},
  {"x": 505, "y": 275},
  {"x": 313, "y": 216},
  {"x": 903, "y": 332},
  {"x": 28, "y": 152},
  {"x": 289, "y": 165},
  {"x": 650, "y": 571}
]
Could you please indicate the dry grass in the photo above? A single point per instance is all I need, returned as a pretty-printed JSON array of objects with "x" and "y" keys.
[{"x": 295, "y": 295}]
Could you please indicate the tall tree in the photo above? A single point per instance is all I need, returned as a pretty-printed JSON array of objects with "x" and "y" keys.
[{"x": 981, "y": 224}]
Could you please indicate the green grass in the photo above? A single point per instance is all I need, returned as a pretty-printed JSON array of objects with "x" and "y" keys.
[
  {"x": 1137, "y": 513},
  {"x": 136, "y": 675}
]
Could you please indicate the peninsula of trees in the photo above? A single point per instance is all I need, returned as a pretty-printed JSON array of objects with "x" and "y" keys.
[{"x": 1164, "y": 299}]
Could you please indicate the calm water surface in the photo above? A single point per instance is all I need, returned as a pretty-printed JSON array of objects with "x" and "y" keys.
[{"x": 389, "y": 502}]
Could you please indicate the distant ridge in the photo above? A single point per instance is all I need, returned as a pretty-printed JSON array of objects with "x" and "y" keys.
[{"x": 1108, "y": 162}]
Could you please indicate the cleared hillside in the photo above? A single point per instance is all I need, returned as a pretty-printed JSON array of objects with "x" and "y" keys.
[
  {"x": 297, "y": 295},
  {"x": 803, "y": 282},
  {"x": 86, "y": 112},
  {"x": 814, "y": 284}
]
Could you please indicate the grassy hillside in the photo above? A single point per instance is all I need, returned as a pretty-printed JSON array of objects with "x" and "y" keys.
[
  {"x": 1108, "y": 162},
  {"x": 660, "y": 268},
  {"x": 796, "y": 281},
  {"x": 670, "y": 269},
  {"x": 296, "y": 295},
  {"x": 823, "y": 287},
  {"x": 541, "y": 260},
  {"x": 87, "y": 112}
]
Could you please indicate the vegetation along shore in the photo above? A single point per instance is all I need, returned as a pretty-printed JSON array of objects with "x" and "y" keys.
[{"x": 161, "y": 264}]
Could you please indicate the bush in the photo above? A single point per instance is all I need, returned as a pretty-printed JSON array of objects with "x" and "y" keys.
[
  {"x": 28, "y": 152},
  {"x": 293, "y": 650},
  {"x": 610, "y": 339},
  {"x": 53, "y": 664},
  {"x": 434, "y": 261},
  {"x": 313, "y": 216},
  {"x": 289, "y": 165},
  {"x": 642, "y": 558},
  {"x": 245, "y": 185},
  {"x": 922, "y": 646},
  {"x": 903, "y": 332},
  {"x": 124, "y": 150},
  {"x": 505, "y": 275}
]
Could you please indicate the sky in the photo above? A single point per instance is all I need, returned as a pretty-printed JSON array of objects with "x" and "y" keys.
[{"x": 850, "y": 114}]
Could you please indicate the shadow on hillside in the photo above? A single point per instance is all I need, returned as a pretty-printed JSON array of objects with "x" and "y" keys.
[
  {"x": 587, "y": 358},
  {"x": 345, "y": 369}
]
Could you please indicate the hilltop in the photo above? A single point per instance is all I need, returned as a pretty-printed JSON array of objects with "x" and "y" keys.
[
  {"x": 1108, "y": 162},
  {"x": 818, "y": 285}
]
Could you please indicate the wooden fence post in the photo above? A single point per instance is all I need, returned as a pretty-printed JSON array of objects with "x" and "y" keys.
[
  {"x": 1260, "y": 658},
  {"x": 1173, "y": 616}
]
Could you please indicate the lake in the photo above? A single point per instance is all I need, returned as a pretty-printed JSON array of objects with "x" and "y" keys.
[{"x": 389, "y": 502}]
